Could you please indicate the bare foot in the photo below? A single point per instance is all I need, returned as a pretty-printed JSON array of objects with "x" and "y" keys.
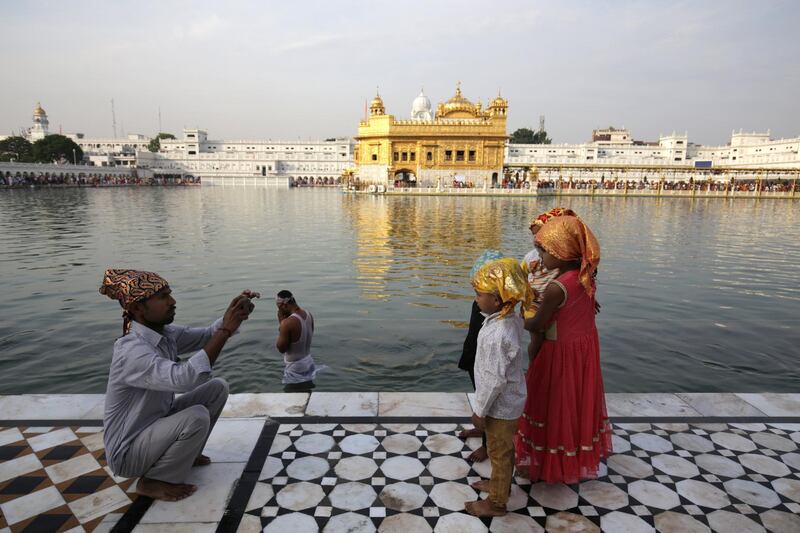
[
  {"x": 478, "y": 455},
  {"x": 161, "y": 490},
  {"x": 202, "y": 460},
  {"x": 481, "y": 508},
  {"x": 481, "y": 486},
  {"x": 470, "y": 433}
]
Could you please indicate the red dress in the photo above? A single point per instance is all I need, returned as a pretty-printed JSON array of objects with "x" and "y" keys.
[{"x": 564, "y": 430}]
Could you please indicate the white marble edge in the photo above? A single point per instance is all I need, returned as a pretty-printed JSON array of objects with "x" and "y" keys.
[{"x": 423, "y": 404}]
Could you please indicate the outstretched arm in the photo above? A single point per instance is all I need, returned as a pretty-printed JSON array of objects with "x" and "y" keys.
[
  {"x": 191, "y": 339},
  {"x": 237, "y": 312}
]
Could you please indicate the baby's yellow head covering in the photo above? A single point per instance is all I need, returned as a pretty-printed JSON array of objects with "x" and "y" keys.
[{"x": 504, "y": 278}]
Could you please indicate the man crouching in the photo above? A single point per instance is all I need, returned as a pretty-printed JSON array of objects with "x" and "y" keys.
[{"x": 148, "y": 433}]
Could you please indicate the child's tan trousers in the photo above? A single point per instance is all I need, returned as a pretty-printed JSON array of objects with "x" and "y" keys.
[{"x": 500, "y": 445}]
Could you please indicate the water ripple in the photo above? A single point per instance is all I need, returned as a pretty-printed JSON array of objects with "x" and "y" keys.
[{"x": 697, "y": 295}]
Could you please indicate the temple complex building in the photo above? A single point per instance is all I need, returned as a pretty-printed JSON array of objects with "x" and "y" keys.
[
  {"x": 274, "y": 162},
  {"x": 462, "y": 141}
]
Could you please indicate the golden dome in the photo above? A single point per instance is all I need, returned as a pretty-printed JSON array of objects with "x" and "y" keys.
[
  {"x": 457, "y": 104},
  {"x": 499, "y": 101},
  {"x": 376, "y": 107},
  {"x": 38, "y": 111}
]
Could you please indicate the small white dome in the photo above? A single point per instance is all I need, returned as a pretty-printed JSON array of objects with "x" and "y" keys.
[{"x": 421, "y": 108}]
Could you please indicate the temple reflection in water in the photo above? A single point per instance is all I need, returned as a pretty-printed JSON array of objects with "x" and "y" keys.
[{"x": 401, "y": 244}]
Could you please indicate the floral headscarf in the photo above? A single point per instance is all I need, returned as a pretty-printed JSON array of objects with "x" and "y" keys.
[{"x": 553, "y": 213}]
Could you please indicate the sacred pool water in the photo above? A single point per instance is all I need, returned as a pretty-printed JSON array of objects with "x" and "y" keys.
[{"x": 697, "y": 295}]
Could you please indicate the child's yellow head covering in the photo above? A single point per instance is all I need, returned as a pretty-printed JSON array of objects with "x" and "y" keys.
[{"x": 504, "y": 278}]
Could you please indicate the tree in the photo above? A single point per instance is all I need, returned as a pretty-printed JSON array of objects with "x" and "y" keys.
[
  {"x": 540, "y": 137},
  {"x": 56, "y": 147},
  {"x": 155, "y": 142},
  {"x": 522, "y": 136},
  {"x": 16, "y": 148},
  {"x": 528, "y": 136}
]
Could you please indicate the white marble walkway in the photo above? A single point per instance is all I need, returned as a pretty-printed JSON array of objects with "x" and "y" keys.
[{"x": 416, "y": 404}]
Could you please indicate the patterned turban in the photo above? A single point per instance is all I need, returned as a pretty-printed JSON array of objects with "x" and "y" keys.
[
  {"x": 553, "y": 213},
  {"x": 128, "y": 286},
  {"x": 569, "y": 239},
  {"x": 504, "y": 278}
]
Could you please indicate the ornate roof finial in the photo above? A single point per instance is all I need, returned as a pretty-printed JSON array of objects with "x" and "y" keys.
[{"x": 458, "y": 88}]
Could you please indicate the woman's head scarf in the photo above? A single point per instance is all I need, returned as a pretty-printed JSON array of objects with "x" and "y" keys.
[{"x": 569, "y": 239}]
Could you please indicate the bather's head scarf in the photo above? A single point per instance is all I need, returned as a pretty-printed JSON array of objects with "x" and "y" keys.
[
  {"x": 569, "y": 239},
  {"x": 504, "y": 278},
  {"x": 553, "y": 213},
  {"x": 128, "y": 286}
]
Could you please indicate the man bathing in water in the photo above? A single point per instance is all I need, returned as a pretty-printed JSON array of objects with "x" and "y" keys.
[
  {"x": 294, "y": 342},
  {"x": 148, "y": 433}
]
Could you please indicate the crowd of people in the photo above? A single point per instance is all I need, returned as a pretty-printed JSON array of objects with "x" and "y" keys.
[
  {"x": 9, "y": 180},
  {"x": 305, "y": 181},
  {"x": 615, "y": 184}
]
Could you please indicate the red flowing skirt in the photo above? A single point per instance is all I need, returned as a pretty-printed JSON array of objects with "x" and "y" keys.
[{"x": 564, "y": 431}]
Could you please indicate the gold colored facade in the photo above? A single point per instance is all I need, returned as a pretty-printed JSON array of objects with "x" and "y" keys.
[{"x": 464, "y": 142}]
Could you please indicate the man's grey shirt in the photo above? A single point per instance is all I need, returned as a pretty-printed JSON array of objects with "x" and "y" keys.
[{"x": 145, "y": 374}]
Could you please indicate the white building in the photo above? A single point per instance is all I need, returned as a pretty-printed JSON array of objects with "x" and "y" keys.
[
  {"x": 109, "y": 145},
  {"x": 267, "y": 161},
  {"x": 110, "y": 151},
  {"x": 616, "y": 147},
  {"x": 752, "y": 150}
]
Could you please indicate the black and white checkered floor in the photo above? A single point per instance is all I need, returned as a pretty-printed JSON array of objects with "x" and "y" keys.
[
  {"x": 409, "y": 477},
  {"x": 379, "y": 474},
  {"x": 55, "y": 478}
]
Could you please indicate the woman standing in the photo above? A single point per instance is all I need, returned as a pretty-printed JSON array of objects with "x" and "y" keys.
[{"x": 564, "y": 431}]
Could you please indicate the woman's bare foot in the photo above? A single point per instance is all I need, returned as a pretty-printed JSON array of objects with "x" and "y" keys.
[
  {"x": 478, "y": 455},
  {"x": 202, "y": 460},
  {"x": 161, "y": 490},
  {"x": 481, "y": 486},
  {"x": 470, "y": 433},
  {"x": 481, "y": 508}
]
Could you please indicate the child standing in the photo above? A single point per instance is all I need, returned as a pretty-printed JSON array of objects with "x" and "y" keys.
[
  {"x": 499, "y": 375},
  {"x": 564, "y": 431}
]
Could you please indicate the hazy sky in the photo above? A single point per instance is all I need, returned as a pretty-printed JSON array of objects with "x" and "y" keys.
[{"x": 304, "y": 69}]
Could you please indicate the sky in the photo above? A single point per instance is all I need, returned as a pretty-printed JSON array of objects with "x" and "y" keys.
[{"x": 304, "y": 69}]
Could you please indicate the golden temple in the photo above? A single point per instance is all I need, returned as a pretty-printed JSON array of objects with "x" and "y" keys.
[{"x": 463, "y": 142}]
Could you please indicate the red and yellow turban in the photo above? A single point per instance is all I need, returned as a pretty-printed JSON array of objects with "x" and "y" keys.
[
  {"x": 505, "y": 279},
  {"x": 553, "y": 213},
  {"x": 569, "y": 239},
  {"x": 128, "y": 286}
]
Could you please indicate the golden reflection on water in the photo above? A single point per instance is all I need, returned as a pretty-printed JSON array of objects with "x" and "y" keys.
[
  {"x": 410, "y": 244},
  {"x": 373, "y": 255}
]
